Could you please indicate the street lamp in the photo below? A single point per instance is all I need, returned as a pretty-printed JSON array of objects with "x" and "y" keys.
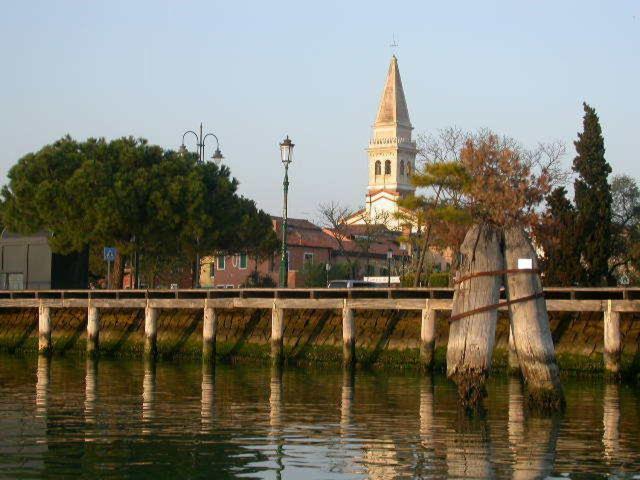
[
  {"x": 286, "y": 155},
  {"x": 217, "y": 157},
  {"x": 327, "y": 268},
  {"x": 201, "y": 141},
  {"x": 389, "y": 257},
  {"x": 403, "y": 249}
]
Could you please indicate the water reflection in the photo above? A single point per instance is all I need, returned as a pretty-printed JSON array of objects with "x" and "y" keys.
[
  {"x": 90, "y": 390},
  {"x": 43, "y": 378},
  {"x": 275, "y": 417},
  {"x": 148, "y": 396},
  {"x": 207, "y": 397},
  {"x": 532, "y": 439},
  {"x": 250, "y": 422},
  {"x": 611, "y": 421}
]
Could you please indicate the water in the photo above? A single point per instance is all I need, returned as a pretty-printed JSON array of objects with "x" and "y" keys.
[{"x": 127, "y": 419}]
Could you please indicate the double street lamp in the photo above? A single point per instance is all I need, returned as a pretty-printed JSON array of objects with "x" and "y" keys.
[
  {"x": 217, "y": 157},
  {"x": 286, "y": 155}
]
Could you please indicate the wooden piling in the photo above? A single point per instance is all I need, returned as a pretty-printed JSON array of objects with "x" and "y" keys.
[
  {"x": 209, "y": 326},
  {"x": 93, "y": 331},
  {"x": 348, "y": 337},
  {"x": 612, "y": 340},
  {"x": 150, "y": 332},
  {"x": 427, "y": 337},
  {"x": 514, "y": 366},
  {"x": 44, "y": 330},
  {"x": 472, "y": 335},
  {"x": 530, "y": 322},
  {"x": 277, "y": 334}
]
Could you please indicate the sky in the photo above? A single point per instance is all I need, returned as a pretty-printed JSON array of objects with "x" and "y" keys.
[{"x": 254, "y": 72}]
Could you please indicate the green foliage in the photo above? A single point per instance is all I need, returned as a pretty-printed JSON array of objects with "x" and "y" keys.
[
  {"x": 439, "y": 279},
  {"x": 593, "y": 200},
  {"x": 255, "y": 280},
  {"x": 557, "y": 236},
  {"x": 133, "y": 195},
  {"x": 314, "y": 275}
]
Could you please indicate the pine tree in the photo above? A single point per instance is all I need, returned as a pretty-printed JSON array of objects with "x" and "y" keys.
[{"x": 593, "y": 200}]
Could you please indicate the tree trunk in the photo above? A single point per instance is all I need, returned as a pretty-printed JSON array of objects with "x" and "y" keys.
[
  {"x": 117, "y": 275},
  {"x": 472, "y": 337},
  {"x": 530, "y": 324}
]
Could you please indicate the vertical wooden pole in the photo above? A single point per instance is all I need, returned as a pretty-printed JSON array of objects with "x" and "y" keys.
[
  {"x": 472, "y": 335},
  {"x": 348, "y": 337},
  {"x": 514, "y": 366},
  {"x": 277, "y": 334},
  {"x": 150, "y": 331},
  {"x": 427, "y": 337},
  {"x": 209, "y": 326},
  {"x": 44, "y": 330},
  {"x": 93, "y": 331},
  {"x": 612, "y": 341},
  {"x": 530, "y": 322}
]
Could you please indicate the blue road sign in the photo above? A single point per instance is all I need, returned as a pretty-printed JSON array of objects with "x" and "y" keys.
[{"x": 109, "y": 253}]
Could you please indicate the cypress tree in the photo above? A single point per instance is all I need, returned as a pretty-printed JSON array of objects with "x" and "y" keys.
[{"x": 593, "y": 200}]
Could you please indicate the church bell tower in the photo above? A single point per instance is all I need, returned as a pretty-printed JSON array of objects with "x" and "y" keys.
[{"x": 391, "y": 151}]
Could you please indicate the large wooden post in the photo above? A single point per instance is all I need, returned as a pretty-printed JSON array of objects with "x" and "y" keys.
[
  {"x": 472, "y": 335},
  {"x": 348, "y": 337},
  {"x": 93, "y": 331},
  {"x": 612, "y": 341},
  {"x": 209, "y": 335},
  {"x": 44, "y": 330},
  {"x": 277, "y": 334},
  {"x": 150, "y": 331},
  {"x": 530, "y": 322},
  {"x": 427, "y": 337},
  {"x": 514, "y": 366}
]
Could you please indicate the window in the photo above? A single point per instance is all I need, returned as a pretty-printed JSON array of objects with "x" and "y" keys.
[
  {"x": 221, "y": 262},
  {"x": 378, "y": 167},
  {"x": 387, "y": 167},
  {"x": 212, "y": 270},
  {"x": 401, "y": 167},
  {"x": 243, "y": 261},
  {"x": 15, "y": 281},
  {"x": 308, "y": 258}
]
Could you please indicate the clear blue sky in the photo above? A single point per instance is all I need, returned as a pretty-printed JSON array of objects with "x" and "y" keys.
[{"x": 255, "y": 71}]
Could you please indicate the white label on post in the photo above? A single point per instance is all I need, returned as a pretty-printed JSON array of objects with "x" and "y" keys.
[{"x": 525, "y": 264}]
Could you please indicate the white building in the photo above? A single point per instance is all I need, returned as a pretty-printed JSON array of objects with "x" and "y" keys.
[{"x": 392, "y": 155}]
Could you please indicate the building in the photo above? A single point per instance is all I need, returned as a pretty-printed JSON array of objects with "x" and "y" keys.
[
  {"x": 306, "y": 244},
  {"x": 391, "y": 156},
  {"x": 27, "y": 263}
]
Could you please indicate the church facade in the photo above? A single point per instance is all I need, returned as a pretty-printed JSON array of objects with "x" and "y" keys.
[{"x": 391, "y": 156}]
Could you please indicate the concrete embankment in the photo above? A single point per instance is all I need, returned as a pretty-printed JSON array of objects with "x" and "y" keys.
[{"x": 382, "y": 337}]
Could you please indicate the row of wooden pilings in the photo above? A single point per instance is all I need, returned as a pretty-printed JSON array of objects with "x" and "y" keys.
[{"x": 612, "y": 337}]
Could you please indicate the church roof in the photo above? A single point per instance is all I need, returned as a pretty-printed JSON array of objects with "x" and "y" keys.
[{"x": 393, "y": 105}]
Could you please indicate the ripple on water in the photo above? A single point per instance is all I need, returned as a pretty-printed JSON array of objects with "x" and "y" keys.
[{"x": 115, "y": 418}]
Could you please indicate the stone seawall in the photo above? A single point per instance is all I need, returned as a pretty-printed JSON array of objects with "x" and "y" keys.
[{"x": 382, "y": 337}]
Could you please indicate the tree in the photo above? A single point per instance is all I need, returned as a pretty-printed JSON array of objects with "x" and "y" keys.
[
  {"x": 138, "y": 197},
  {"x": 556, "y": 235},
  {"x": 625, "y": 210},
  {"x": 333, "y": 216},
  {"x": 593, "y": 200}
]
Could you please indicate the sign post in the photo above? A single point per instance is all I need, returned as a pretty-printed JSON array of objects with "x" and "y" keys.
[{"x": 109, "y": 255}]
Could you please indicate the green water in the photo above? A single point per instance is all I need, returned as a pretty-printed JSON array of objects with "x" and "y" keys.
[{"x": 69, "y": 418}]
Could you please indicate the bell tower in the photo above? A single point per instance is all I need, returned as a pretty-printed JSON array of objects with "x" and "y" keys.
[{"x": 391, "y": 151}]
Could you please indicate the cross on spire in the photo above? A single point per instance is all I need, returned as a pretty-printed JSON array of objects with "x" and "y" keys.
[{"x": 394, "y": 44}]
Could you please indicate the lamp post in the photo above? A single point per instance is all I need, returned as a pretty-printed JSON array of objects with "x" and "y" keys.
[
  {"x": 286, "y": 155},
  {"x": 217, "y": 157},
  {"x": 327, "y": 268},
  {"x": 403, "y": 249},
  {"x": 389, "y": 257}
]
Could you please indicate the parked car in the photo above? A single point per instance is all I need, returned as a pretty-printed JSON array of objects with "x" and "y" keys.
[{"x": 351, "y": 284}]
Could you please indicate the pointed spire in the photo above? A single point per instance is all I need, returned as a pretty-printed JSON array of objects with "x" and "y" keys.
[{"x": 393, "y": 106}]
